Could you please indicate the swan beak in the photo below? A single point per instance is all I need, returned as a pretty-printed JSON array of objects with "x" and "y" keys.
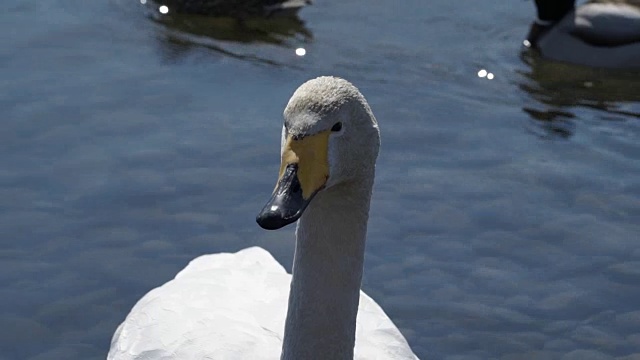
[{"x": 303, "y": 172}]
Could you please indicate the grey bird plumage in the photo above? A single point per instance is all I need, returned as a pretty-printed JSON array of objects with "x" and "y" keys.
[{"x": 236, "y": 8}]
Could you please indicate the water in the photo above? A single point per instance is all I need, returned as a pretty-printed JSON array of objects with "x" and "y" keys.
[{"x": 506, "y": 216}]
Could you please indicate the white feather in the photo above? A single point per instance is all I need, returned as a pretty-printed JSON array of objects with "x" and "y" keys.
[{"x": 233, "y": 306}]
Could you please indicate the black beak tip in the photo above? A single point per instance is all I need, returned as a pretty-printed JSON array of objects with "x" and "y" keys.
[
  {"x": 272, "y": 220},
  {"x": 286, "y": 204}
]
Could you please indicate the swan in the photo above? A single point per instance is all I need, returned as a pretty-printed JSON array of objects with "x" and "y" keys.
[
  {"x": 235, "y": 8},
  {"x": 603, "y": 33},
  {"x": 244, "y": 305}
]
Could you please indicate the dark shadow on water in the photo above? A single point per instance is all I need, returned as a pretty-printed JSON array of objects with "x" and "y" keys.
[
  {"x": 553, "y": 123},
  {"x": 556, "y": 88},
  {"x": 244, "y": 39}
]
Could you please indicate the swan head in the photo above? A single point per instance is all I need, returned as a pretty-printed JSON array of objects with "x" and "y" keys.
[{"x": 330, "y": 137}]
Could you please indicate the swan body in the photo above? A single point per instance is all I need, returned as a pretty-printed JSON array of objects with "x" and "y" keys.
[
  {"x": 598, "y": 33},
  {"x": 235, "y": 8},
  {"x": 233, "y": 306},
  {"x": 245, "y": 305}
]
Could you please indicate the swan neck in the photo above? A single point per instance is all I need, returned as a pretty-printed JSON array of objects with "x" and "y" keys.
[{"x": 327, "y": 273}]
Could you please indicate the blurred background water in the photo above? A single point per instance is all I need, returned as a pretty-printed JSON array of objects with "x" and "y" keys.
[{"x": 506, "y": 216}]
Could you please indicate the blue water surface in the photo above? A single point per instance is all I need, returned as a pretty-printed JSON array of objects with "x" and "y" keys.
[{"x": 506, "y": 215}]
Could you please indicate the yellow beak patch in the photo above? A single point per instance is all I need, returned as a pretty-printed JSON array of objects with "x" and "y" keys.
[{"x": 311, "y": 153}]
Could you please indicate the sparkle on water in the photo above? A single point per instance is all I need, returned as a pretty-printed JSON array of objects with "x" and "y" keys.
[{"x": 485, "y": 74}]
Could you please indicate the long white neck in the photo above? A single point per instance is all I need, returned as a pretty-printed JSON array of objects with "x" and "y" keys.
[{"x": 327, "y": 273}]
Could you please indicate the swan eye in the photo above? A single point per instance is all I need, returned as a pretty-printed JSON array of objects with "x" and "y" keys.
[{"x": 337, "y": 127}]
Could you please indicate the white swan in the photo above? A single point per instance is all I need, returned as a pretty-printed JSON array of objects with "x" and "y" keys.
[
  {"x": 603, "y": 33},
  {"x": 233, "y": 306}
]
